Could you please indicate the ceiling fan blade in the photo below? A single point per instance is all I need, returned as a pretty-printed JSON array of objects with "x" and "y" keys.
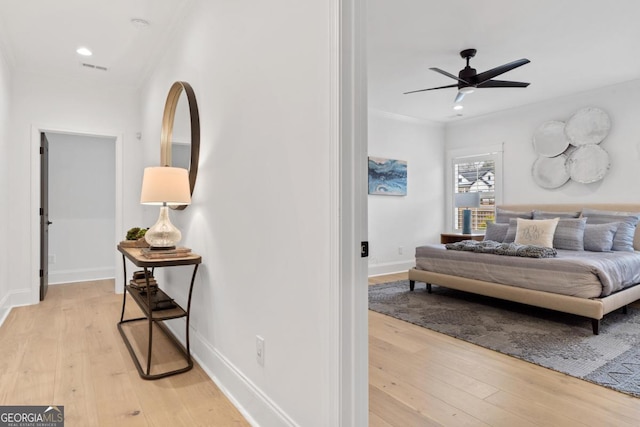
[
  {"x": 501, "y": 83},
  {"x": 459, "y": 97},
  {"x": 431, "y": 88},
  {"x": 482, "y": 77},
  {"x": 438, "y": 70}
]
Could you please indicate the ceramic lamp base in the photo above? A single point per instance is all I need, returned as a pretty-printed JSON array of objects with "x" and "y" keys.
[{"x": 466, "y": 221}]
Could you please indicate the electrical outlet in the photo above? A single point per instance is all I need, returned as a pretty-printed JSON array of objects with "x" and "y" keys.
[
  {"x": 400, "y": 250},
  {"x": 260, "y": 350}
]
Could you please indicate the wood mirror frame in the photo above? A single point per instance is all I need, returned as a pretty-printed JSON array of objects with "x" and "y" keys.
[{"x": 167, "y": 130}]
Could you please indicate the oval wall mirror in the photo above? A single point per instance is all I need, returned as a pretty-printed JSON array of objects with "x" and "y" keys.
[{"x": 180, "y": 139}]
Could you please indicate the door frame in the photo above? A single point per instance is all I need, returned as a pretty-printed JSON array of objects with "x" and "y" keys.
[
  {"x": 349, "y": 173},
  {"x": 36, "y": 130}
]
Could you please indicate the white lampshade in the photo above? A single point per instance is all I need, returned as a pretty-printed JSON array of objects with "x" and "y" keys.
[
  {"x": 165, "y": 184},
  {"x": 467, "y": 200}
]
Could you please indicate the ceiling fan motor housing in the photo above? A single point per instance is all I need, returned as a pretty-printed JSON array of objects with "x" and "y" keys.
[{"x": 467, "y": 74}]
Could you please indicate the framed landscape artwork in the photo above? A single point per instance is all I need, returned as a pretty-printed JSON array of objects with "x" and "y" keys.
[{"x": 387, "y": 177}]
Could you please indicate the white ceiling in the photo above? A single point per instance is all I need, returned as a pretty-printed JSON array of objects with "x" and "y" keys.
[
  {"x": 43, "y": 35},
  {"x": 573, "y": 45}
]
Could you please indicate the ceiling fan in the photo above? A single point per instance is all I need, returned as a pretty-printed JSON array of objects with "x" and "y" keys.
[{"x": 468, "y": 79}]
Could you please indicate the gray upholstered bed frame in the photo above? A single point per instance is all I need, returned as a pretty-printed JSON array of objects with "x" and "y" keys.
[{"x": 594, "y": 308}]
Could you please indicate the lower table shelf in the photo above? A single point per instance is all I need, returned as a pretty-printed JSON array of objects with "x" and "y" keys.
[{"x": 140, "y": 297}]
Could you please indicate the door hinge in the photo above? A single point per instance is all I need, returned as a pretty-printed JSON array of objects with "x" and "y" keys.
[
  {"x": 41, "y": 150},
  {"x": 41, "y": 272},
  {"x": 364, "y": 249},
  {"x": 41, "y": 211}
]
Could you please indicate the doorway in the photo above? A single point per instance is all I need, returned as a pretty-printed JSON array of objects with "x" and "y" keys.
[
  {"x": 81, "y": 207},
  {"x": 84, "y": 185}
]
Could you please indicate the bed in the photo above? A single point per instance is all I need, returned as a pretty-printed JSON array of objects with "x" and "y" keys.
[{"x": 584, "y": 283}]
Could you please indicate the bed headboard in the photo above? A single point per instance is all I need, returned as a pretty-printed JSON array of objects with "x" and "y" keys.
[{"x": 570, "y": 207}]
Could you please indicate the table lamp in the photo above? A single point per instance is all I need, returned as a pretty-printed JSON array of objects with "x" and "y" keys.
[
  {"x": 466, "y": 201},
  {"x": 164, "y": 186}
]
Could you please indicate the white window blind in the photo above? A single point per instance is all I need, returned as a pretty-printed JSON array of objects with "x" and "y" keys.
[{"x": 476, "y": 173}]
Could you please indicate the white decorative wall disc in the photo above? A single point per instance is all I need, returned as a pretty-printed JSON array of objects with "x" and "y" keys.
[
  {"x": 588, "y": 126},
  {"x": 588, "y": 163},
  {"x": 550, "y": 140},
  {"x": 550, "y": 172}
]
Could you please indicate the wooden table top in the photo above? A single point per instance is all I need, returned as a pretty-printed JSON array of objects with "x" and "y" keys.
[{"x": 136, "y": 256}]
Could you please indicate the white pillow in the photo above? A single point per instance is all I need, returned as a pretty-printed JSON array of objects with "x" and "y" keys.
[{"x": 537, "y": 232}]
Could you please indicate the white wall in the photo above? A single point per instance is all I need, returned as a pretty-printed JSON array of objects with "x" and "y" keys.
[
  {"x": 72, "y": 105},
  {"x": 81, "y": 207},
  {"x": 516, "y": 127},
  {"x": 417, "y": 218},
  {"x": 260, "y": 215},
  {"x": 5, "y": 102}
]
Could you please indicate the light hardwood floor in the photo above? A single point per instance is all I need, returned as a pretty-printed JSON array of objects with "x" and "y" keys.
[
  {"x": 68, "y": 351},
  {"x": 418, "y": 377}
]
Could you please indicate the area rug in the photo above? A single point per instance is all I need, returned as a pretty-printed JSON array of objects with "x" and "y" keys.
[{"x": 555, "y": 340}]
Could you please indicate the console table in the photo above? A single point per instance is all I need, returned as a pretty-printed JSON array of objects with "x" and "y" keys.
[{"x": 144, "y": 301}]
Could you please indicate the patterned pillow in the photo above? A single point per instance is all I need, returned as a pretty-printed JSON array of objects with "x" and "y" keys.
[
  {"x": 496, "y": 232},
  {"x": 599, "y": 237},
  {"x": 538, "y": 232},
  {"x": 570, "y": 234},
  {"x": 504, "y": 216},
  {"x": 623, "y": 239},
  {"x": 550, "y": 215}
]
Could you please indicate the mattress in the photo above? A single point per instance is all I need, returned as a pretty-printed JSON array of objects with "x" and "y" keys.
[{"x": 582, "y": 274}]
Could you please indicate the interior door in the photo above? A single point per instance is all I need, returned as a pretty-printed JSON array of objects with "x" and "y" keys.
[{"x": 44, "y": 215}]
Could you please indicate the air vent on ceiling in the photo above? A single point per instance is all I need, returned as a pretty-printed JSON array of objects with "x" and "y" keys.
[{"x": 96, "y": 67}]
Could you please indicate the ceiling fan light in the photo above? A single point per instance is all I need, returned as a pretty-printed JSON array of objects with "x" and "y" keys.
[{"x": 467, "y": 89}]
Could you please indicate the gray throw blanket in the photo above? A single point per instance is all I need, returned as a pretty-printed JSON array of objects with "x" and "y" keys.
[{"x": 497, "y": 248}]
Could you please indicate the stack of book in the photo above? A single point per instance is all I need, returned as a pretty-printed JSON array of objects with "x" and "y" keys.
[
  {"x": 179, "y": 252},
  {"x": 139, "y": 281},
  {"x": 159, "y": 300}
]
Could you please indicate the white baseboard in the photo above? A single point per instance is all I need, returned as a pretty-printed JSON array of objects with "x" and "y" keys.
[
  {"x": 80, "y": 275},
  {"x": 253, "y": 403},
  {"x": 391, "y": 267},
  {"x": 16, "y": 298}
]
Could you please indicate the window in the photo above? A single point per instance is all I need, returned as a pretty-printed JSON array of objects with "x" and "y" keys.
[{"x": 476, "y": 173}]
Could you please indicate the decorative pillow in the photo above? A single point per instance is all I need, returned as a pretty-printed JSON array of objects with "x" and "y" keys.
[
  {"x": 538, "y": 232},
  {"x": 550, "y": 215},
  {"x": 496, "y": 232},
  {"x": 503, "y": 216},
  {"x": 570, "y": 234},
  {"x": 599, "y": 237},
  {"x": 510, "y": 237},
  {"x": 623, "y": 239}
]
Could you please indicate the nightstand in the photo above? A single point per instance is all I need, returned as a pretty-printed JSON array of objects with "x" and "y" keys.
[{"x": 458, "y": 237}]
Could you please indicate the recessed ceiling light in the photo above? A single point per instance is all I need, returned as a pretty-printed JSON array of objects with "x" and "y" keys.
[
  {"x": 140, "y": 23},
  {"x": 458, "y": 107},
  {"x": 84, "y": 51}
]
